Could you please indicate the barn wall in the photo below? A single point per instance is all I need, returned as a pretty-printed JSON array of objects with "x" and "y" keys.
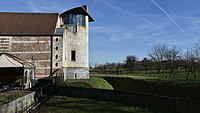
[{"x": 26, "y": 47}]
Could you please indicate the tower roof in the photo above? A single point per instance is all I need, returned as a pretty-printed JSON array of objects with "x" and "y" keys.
[{"x": 78, "y": 10}]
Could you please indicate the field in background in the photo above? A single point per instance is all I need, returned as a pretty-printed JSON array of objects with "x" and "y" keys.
[
  {"x": 179, "y": 74},
  {"x": 61, "y": 104}
]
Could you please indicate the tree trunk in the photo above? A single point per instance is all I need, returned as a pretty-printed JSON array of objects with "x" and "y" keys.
[
  {"x": 194, "y": 72},
  {"x": 174, "y": 72},
  {"x": 146, "y": 71},
  {"x": 150, "y": 71},
  {"x": 188, "y": 72}
]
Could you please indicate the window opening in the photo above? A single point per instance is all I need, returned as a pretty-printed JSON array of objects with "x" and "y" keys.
[{"x": 73, "y": 55}]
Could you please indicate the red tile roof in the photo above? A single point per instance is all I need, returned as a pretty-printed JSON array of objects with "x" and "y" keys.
[{"x": 27, "y": 23}]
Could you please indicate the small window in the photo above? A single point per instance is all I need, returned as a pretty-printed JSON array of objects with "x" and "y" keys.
[
  {"x": 56, "y": 56},
  {"x": 56, "y": 39},
  {"x": 75, "y": 28},
  {"x": 56, "y": 64},
  {"x": 73, "y": 55},
  {"x": 56, "y": 47}
]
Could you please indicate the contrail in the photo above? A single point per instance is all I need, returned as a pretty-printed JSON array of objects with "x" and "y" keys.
[{"x": 170, "y": 17}]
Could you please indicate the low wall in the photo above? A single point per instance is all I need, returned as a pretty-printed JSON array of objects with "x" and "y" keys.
[
  {"x": 19, "y": 105},
  {"x": 158, "y": 103}
]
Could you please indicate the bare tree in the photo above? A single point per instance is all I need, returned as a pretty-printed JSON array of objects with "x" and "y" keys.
[
  {"x": 157, "y": 54},
  {"x": 172, "y": 55},
  {"x": 196, "y": 51},
  {"x": 190, "y": 59}
]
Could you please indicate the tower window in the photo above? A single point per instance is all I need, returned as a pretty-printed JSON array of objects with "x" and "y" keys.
[
  {"x": 56, "y": 56},
  {"x": 73, "y": 55},
  {"x": 56, "y": 39},
  {"x": 75, "y": 28},
  {"x": 77, "y": 19}
]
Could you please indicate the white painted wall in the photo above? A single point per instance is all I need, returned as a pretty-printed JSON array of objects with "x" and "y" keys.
[{"x": 77, "y": 41}]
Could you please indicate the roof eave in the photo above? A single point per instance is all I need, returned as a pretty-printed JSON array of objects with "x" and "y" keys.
[
  {"x": 78, "y": 10},
  {"x": 31, "y": 35}
]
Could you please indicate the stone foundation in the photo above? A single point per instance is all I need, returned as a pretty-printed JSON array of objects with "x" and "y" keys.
[
  {"x": 75, "y": 73},
  {"x": 19, "y": 105}
]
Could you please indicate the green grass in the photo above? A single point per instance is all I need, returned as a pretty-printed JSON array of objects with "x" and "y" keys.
[
  {"x": 182, "y": 88},
  {"x": 60, "y": 104},
  {"x": 180, "y": 74},
  {"x": 93, "y": 82}
]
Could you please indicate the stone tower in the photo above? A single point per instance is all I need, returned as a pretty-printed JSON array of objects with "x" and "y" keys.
[{"x": 75, "y": 25}]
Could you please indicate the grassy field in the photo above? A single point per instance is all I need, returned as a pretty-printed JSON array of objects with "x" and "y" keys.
[
  {"x": 180, "y": 74},
  {"x": 60, "y": 104},
  {"x": 93, "y": 82}
]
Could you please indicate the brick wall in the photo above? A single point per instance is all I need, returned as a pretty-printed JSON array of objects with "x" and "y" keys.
[{"x": 26, "y": 47}]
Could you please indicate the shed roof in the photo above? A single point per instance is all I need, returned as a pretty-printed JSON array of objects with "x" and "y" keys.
[
  {"x": 27, "y": 23},
  {"x": 6, "y": 61},
  {"x": 9, "y": 60}
]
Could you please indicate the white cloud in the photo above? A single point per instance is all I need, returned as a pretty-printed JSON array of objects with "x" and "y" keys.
[
  {"x": 120, "y": 36},
  {"x": 49, "y": 5},
  {"x": 105, "y": 29},
  {"x": 142, "y": 32}
]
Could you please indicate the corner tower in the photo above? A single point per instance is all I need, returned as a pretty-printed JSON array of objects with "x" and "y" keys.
[{"x": 75, "y": 23}]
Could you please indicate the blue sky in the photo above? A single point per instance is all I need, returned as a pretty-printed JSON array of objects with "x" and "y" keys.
[{"x": 126, "y": 27}]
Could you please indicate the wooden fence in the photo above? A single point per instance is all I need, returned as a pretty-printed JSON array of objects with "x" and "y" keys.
[{"x": 157, "y": 103}]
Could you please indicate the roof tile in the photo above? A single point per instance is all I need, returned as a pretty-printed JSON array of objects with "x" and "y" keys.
[{"x": 27, "y": 23}]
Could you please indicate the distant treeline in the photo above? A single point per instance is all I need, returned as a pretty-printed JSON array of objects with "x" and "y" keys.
[{"x": 162, "y": 60}]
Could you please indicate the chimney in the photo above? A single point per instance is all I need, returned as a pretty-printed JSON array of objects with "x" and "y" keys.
[{"x": 85, "y": 7}]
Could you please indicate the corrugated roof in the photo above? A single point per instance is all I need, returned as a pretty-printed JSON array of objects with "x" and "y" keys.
[{"x": 27, "y": 23}]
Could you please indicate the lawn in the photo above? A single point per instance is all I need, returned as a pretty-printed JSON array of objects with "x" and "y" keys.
[
  {"x": 93, "y": 82},
  {"x": 60, "y": 104}
]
